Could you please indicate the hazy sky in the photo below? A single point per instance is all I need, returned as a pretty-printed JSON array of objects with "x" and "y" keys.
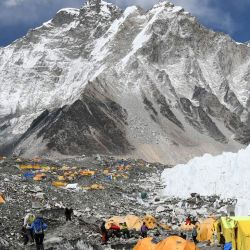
[{"x": 229, "y": 16}]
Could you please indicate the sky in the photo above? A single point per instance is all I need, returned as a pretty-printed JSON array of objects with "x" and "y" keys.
[{"x": 229, "y": 16}]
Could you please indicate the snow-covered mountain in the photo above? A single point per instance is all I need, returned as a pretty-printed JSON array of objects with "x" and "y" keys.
[{"x": 155, "y": 84}]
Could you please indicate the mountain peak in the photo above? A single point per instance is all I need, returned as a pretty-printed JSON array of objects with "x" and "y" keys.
[
  {"x": 153, "y": 79},
  {"x": 166, "y": 4},
  {"x": 101, "y": 7},
  {"x": 93, "y": 2}
]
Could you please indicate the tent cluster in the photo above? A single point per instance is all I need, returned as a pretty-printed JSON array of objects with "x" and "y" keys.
[
  {"x": 134, "y": 222},
  {"x": 236, "y": 230},
  {"x": 63, "y": 176},
  {"x": 170, "y": 243},
  {"x": 205, "y": 229}
]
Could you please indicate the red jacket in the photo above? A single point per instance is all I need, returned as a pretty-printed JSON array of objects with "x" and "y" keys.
[
  {"x": 115, "y": 227},
  {"x": 188, "y": 221}
]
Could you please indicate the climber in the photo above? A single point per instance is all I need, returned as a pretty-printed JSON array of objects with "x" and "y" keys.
[
  {"x": 194, "y": 234},
  {"x": 28, "y": 220},
  {"x": 222, "y": 241},
  {"x": 188, "y": 220},
  {"x": 144, "y": 230},
  {"x": 104, "y": 233},
  {"x": 25, "y": 236},
  {"x": 115, "y": 230},
  {"x": 68, "y": 213},
  {"x": 124, "y": 230},
  {"x": 38, "y": 227},
  {"x": 183, "y": 236}
]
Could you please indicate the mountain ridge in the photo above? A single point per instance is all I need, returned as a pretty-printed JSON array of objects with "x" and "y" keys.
[{"x": 183, "y": 87}]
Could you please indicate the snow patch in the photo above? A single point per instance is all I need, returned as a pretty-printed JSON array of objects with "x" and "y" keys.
[
  {"x": 100, "y": 51},
  {"x": 71, "y": 11}
]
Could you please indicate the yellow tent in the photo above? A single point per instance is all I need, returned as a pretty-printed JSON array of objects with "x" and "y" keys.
[
  {"x": 145, "y": 244},
  {"x": 61, "y": 178},
  {"x": 132, "y": 221},
  {"x": 175, "y": 242},
  {"x": 59, "y": 184},
  {"x": 150, "y": 221},
  {"x": 135, "y": 222},
  {"x": 93, "y": 187},
  {"x": 185, "y": 227},
  {"x": 114, "y": 220},
  {"x": 205, "y": 230},
  {"x": 231, "y": 232},
  {"x": 227, "y": 228},
  {"x": 242, "y": 235}
]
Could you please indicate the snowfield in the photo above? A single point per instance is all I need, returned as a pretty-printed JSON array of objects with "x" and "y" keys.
[{"x": 226, "y": 175}]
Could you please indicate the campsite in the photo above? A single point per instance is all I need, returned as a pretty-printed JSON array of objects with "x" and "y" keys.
[{"x": 104, "y": 188}]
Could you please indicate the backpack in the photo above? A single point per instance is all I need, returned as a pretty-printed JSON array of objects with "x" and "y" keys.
[
  {"x": 38, "y": 227},
  {"x": 194, "y": 232}
]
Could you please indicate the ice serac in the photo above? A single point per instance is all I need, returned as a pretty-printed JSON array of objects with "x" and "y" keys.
[
  {"x": 170, "y": 88},
  {"x": 225, "y": 175}
]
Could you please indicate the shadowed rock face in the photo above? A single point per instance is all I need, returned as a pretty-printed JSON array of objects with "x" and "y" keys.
[
  {"x": 211, "y": 105},
  {"x": 201, "y": 121},
  {"x": 94, "y": 124},
  {"x": 164, "y": 107}
]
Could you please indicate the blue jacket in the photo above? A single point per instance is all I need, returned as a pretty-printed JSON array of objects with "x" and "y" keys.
[
  {"x": 38, "y": 226},
  {"x": 228, "y": 246}
]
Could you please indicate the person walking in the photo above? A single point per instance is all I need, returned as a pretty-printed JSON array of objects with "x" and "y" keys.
[
  {"x": 195, "y": 234},
  {"x": 28, "y": 220},
  {"x": 104, "y": 233},
  {"x": 38, "y": 227},
  {"x": 222, "y": 241},
  {"x": 25, "y": 236},
  {"x": 144, "y": 230},
  {"x": 68, "y": 213}
]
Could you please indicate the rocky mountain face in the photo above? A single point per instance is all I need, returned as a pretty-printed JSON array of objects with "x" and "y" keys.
[{"x": 156, "y": 85}]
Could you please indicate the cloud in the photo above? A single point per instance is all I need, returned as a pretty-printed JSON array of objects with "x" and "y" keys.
[
  {"x": 209, "y": 13},
  {"x": 11, "y": 3}
]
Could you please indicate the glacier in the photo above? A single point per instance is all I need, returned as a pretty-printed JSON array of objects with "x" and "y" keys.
[{"x": 226, "y": 175}]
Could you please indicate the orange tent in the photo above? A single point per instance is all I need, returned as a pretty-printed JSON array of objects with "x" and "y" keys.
[
  {"x": 2, "y": 199},
  {"x": 175, "y": 242},
  {"x": 39, "y": 177},
  {"x": 145, "y": 244},
  {"x": 87, "y": 173}
]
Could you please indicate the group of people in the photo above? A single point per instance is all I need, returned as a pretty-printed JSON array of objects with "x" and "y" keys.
[
  {"x": 33, "y": 230},
  {"x": 119, "y": 231},
  {"x": 34, "y": 227}
]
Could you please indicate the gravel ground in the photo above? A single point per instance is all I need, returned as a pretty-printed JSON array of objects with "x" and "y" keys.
[{"x": 119, "y": 196}]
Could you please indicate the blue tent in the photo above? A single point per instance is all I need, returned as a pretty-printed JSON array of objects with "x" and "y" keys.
[{"x": 29, "y": 175}]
